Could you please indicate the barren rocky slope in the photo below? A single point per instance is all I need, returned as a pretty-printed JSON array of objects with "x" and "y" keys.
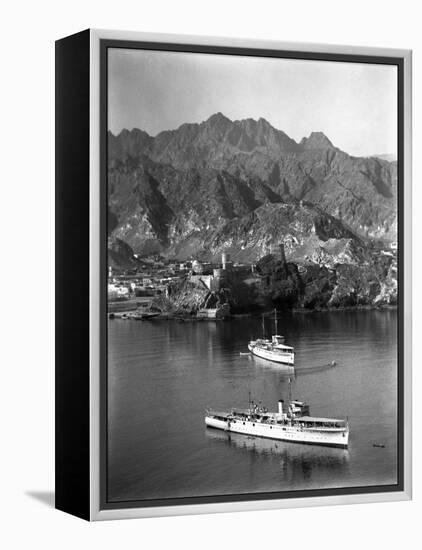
[{"x": 243, "y": 187}]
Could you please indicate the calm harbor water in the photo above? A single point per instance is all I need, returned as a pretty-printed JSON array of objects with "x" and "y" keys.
[{"x": 163, "y": 374}]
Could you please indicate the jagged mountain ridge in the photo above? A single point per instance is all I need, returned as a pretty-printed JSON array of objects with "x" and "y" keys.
[
  {"x": 194, "y": 143},
  {"x": 186, "y": 189},
  {"x": 359, "y": 191}
]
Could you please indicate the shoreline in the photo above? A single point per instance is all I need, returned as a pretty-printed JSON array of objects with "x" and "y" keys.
[
  {"x": 386, "y": 307},
  {"x": 133, "y": 310}
]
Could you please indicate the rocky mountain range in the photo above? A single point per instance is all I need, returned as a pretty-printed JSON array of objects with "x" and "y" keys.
[{"x": 241, "y": 186}]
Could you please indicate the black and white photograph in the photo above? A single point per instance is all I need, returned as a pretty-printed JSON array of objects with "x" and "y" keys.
[
  {"x": 211, "y": 275},
  {"x": 252, "y": 275}
]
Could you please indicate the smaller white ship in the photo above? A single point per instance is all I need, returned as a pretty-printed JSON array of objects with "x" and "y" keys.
[
  {"x": 274, "y": 349},
  {"x": 293, "y": 424}
]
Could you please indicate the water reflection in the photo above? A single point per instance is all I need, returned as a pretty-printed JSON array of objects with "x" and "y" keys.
[
  {"x": 313, "y": 369},
  {"x": 291, "y": 371},
  {"x": 278, "y": 368},
  {"x": 296, "y": 460}
]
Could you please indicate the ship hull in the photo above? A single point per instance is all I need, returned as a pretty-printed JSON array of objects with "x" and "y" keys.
[
  {"x": 328, "y": 437},
  {"x": 285, "y": 358}
]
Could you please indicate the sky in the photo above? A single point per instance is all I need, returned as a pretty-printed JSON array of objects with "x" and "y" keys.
[{"x": 354, "y": 104}]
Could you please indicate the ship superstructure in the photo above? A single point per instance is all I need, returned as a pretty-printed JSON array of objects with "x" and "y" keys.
[
  {"x": 290, "y": 423},
  {"x": 272, "y": 350}
]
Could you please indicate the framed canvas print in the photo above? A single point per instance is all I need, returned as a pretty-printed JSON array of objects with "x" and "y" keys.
[{"x": 233, "y": 274}]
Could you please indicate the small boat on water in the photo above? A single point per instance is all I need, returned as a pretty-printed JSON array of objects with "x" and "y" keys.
[
  {"x": 274, "y": 349},
  {"x": 291, "y": 424}
]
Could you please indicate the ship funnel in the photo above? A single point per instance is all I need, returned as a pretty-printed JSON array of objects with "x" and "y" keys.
[{"x": 280, "y": 406}]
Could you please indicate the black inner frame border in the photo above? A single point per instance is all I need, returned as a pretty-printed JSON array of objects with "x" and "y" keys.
[{"x": 105, "y": 45}]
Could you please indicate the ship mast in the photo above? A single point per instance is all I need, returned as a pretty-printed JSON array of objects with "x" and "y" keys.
[
  {"x": 290, "y": 390},
  {"x": 275, "y": 321},
  {"x": 289, "y": 406},
  {"x": 263, "y": 327}
]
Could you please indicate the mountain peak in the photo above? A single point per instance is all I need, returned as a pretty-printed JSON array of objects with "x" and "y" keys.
[
  {"x": 316, "y": 140},
  {"x": 218, "y": 118}
]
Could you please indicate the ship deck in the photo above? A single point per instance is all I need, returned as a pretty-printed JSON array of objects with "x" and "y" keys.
[{"x": 310, "y": 421}]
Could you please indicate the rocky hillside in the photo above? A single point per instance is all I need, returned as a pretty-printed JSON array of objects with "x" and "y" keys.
[
  {"x": 242, "y": 187},
  {"x": 257, "y": 163},
  {"x": 203, "y": 213},
  {"x": 341, "y": 285}
]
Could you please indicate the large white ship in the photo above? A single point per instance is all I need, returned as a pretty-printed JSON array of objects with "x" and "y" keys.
[
  {"x": 293, "y": 424},
  {"x": 274, "y": 349}
]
